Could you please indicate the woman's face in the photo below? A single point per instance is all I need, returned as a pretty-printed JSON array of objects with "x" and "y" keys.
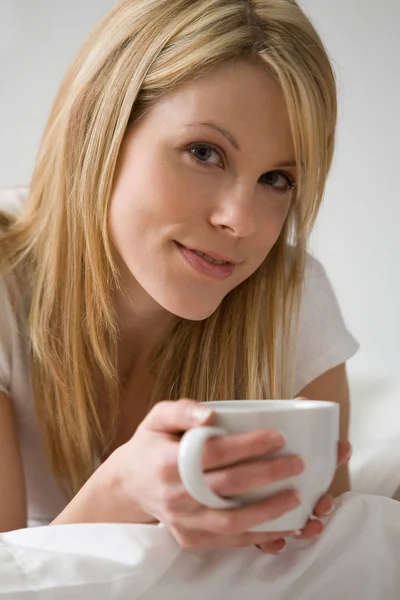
[{"x": 210, "y": 170}]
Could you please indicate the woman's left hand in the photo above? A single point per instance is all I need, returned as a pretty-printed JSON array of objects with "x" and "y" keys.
[{"x": 324, "y": 508}]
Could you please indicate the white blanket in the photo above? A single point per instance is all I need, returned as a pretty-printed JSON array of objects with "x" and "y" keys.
[{"x": 357, "y": 558}]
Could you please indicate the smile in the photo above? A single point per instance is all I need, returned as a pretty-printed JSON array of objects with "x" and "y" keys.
[
  {"x": 206, "y": 264},
  {"x": 210, "y": 259}
]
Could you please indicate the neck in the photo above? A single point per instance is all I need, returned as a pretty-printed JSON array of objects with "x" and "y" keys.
[{"x": 143, "y": 324}]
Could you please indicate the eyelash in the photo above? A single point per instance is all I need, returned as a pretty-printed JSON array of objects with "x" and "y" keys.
[{"x": 291, "y": 183}]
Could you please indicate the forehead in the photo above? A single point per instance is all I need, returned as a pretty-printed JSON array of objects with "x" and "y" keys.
[{"x": 242, "y": 97}]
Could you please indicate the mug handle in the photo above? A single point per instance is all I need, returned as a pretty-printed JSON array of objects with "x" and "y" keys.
[{"x": 191, "y": 469}]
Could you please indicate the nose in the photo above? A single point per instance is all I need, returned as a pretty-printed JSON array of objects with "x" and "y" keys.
[{"x": 236, "y": 212}]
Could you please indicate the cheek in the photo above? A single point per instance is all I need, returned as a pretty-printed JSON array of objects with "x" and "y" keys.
[
  {"x": 273, "y": 221},
  {"x": 140, "y": 200},
  {"x": 129, "y": 215},
  {"x": 177, "y": 195},
  {"x": 126, "y": 218}
]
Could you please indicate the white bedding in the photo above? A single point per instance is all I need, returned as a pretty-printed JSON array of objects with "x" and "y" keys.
[
  {"x": 375, "y": 433},
  {"x": 357, "y": 558}
]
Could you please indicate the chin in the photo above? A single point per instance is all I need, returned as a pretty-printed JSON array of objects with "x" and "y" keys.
[{"x": 192, "y": 310}]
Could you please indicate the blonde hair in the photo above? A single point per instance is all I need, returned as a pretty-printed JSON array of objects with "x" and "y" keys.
[{"x": 60, "y": 245}]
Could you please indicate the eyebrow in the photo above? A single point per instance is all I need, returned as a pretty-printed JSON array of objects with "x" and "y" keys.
[
  {"x": 225, "y": 133},
  {"x": 235, "y": 143}
]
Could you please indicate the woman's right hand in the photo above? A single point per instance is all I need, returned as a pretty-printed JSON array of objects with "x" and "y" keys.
[{"x": 146, "y": 479}]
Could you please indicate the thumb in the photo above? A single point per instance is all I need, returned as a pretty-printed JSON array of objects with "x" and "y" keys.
[{"x": 177, "y": 416}]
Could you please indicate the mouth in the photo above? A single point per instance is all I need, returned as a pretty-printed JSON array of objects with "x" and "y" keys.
[{"x": 207, "y": 263}]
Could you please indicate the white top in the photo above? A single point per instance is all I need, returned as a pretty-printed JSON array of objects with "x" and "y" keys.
[{"x": 323, "y": 343}]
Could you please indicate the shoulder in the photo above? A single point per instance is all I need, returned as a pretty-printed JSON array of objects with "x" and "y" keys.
[
  {"x": 323, "y": 340},
  {"x": 319, "y": 301},
  {"x": 313, "y": 267},
  {"x": 12, "y": 200},
  {"x": 315, "y": 276}
]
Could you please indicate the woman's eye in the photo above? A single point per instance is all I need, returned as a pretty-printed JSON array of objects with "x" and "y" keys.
[
  {"x": 280, "y": 182},
  {"x": 205, "y": 154}
]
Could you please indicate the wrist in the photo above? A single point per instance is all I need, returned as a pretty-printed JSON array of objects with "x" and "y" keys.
[{"x": 103, "y": 499}]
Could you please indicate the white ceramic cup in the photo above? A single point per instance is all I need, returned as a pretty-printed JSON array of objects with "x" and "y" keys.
[{"x": 311, "y": 430}]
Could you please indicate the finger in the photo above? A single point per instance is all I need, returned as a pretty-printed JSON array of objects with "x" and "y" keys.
[
  {"x": 226, "y": 450},
  {"x": 276, "y": 547},
  {"x": 177, "y": 416},
  {"x": 344, "y": 453},
  {"x": 312, "y": 530},
  {"x": 246, "y": 477},
  {"x": 325, "y": 506},
  {"x": 235, "y": 521}
]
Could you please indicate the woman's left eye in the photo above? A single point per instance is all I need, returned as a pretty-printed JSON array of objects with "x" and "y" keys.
[
  {"x": 205, "y": 154},
  {"x": 278, "y": 181}
]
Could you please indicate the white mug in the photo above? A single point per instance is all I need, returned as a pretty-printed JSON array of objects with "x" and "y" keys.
[{"x": 311, "y": 430}]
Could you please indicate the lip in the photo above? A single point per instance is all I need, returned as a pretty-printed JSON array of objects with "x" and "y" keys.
[
  {"x": 203, "y": 266},
  {"x": 212, "y": 255}
]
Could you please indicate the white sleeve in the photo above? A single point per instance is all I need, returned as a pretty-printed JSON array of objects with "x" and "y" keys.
[
  {"x": 6, "y": 323},
  {"x": 324, "y": 341},
  {"x": 12, "y": 200}
]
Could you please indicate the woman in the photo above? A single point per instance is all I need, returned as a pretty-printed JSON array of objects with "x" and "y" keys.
[{"x": 162, "y": 255}]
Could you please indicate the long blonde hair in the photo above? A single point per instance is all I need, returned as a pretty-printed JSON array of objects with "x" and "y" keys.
[{"x": 60, "y": 249}]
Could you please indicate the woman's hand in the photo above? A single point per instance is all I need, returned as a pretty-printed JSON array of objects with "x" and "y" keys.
[
  {"x": 146, "y": 479},
  {"x": 140, "y": 483},
  {"x": 324, "y": 508}
]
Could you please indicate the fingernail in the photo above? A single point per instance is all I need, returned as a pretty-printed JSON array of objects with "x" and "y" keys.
[
  {"x": 331, "y": 510},
  {"x": 316, "y": 535},
  {"x": 297, "y": 534},
  {"x": 294, "y": 500},
  {"x": 276, "y": 438},
  {"x": 277, "y": 552},
  {"x": 299, "y": 465},
  {"x": 201, "y": 413}
]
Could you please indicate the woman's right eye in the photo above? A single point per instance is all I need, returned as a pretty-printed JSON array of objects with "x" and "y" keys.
[{"x": 205, "y": 154}]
